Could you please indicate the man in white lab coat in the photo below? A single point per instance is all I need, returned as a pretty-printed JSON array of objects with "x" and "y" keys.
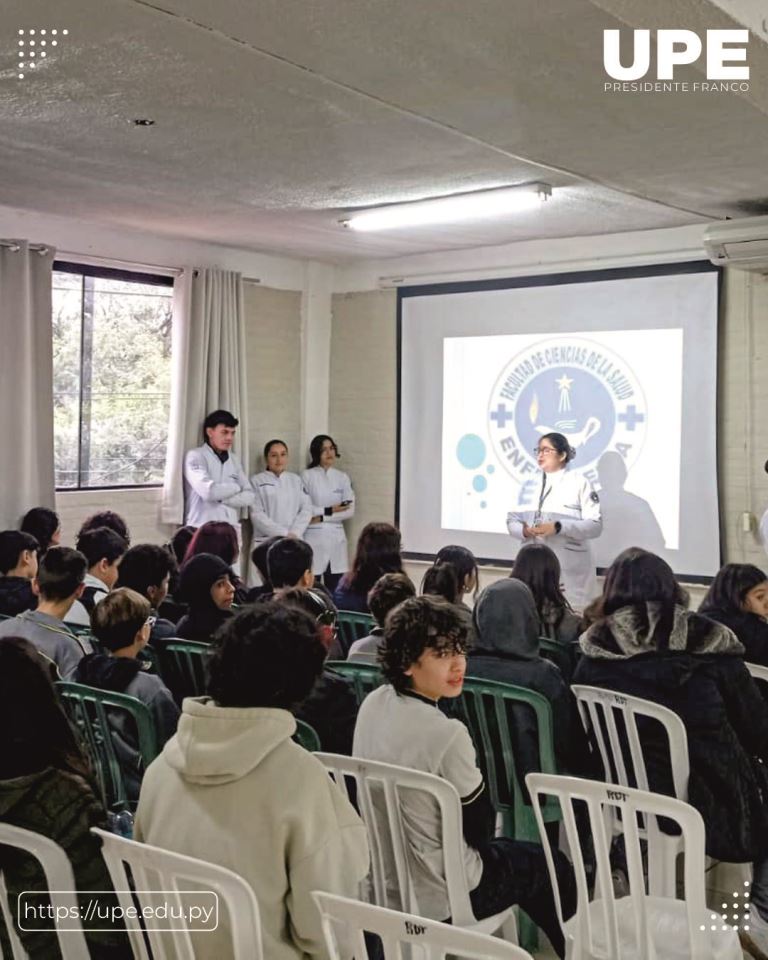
[{"x": 215, "y": 485}]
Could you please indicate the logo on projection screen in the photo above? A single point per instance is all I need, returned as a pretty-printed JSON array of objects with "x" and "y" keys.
[{"x": 567, "y": 385}]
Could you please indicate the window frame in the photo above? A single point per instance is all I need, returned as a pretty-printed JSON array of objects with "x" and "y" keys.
[{"x": 86, "y": 354}]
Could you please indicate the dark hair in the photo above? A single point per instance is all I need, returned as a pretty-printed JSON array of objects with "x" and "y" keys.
[
  {"x": 288, "y": 559},
  {"x": 561, "y": 445},
  {"x": 42, "y": 523},
  {"x": 259, "y": 557},
  {"x": 12, "y": 544},
  {"x": 197, "y": 577},
  {"x": 268, "y": 655},
  {"x": 440, "y": 580},
  {"x": 414, "y": 626},
  {"x": 270, "y": 443},
  {"x": 36, "y": 731},
  {"x": 217, "y": 537},
  {"x": 378, "y": 552},
  {"x": 638, "y": 577},
  {"x": 729, "y": 589},
  {"x": 179, "y": 542},
  {"x": 117, "y": 618},
  {"x": 101, "y": 543},
  {"x": 463, "y": 562},
  {"x": 107, "y": 518},
  {"x": 389, "y": 591},
  {"x": 61, "y": 572},
  {"x": 316, "y": 446},
  {"x": 216, "y": 417},
  {"x": 537, "y": 566},
  {"x": 143, "y": 566}
]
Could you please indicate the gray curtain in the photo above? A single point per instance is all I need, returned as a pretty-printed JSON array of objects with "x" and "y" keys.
[
  {"x": 209, "y": 371},
  {"x": 26, "y": 380}
]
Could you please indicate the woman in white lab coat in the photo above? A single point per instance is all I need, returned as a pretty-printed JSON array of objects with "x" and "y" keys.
[
  {"x": 333, "y": 502},
  {"x": 567, "y": 517},
  {"x": 281, "y": 507}
]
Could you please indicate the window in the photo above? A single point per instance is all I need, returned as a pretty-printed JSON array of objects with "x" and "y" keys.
[{"x": 111, "y": 376}]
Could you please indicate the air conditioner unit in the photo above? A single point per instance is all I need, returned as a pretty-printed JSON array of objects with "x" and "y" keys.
[{"x": 738, "y": 243}]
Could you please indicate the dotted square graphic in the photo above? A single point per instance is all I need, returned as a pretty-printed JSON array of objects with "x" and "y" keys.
[{"x": 34, "y": 44}]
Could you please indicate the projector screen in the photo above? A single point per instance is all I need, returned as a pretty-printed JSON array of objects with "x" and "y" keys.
[{"x": 623, "y": 362}]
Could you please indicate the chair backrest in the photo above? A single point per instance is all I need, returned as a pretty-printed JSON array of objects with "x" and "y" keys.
[
  {"x": 182, "y": 665},
  {"x": 563, "y": 655},
  {"x": 620, "y": 746},
  {"x": 758, "y": 671},
  {"x": 484, "y": 707},
  {"x": 377, "y": 789},
  {"x": 364, "y": 676},
  {"x": 60, "y": 883},
  {"x": 95, "y": 713},
  {"x": 353, "y": 626},
  {"x": 306, "y": 736},
  {"x": 184, "y": 882},
  {"x": 603, "y": 931},
  {"x": 345, "y": 923}
]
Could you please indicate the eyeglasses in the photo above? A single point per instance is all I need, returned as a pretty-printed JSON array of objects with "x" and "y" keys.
[{"x": 538, "y": 450}]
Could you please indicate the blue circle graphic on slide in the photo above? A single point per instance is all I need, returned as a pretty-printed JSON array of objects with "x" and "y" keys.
[
  {"x": 568, "y": 401},
  {"x": 479, "y": 483},
  {"x": 471, "y": 451}
]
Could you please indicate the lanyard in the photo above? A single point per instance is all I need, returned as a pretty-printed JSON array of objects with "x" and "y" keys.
[{"x": 542, "y": 497}]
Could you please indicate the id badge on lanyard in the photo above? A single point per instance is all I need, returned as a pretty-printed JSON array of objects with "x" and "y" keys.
[{"x": 539, "y": 516}]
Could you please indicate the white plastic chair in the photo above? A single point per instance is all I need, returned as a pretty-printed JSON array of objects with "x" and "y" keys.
[
  {"x": 640, "y": 926},
  {"x": 60, "y": 883},
  {"x": 598, "y": 709},
  {"x": 345, "y": 922},
  {"x": 155, "y": 870},
  {"x": 378, "y": 791},
  {"x": 758, "y": 671}
]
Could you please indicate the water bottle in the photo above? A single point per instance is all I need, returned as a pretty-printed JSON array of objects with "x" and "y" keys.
[{"x": 121, "y": 823}]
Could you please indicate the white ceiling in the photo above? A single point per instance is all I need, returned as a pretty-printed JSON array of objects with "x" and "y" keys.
[{"x": 274, "y": 117}]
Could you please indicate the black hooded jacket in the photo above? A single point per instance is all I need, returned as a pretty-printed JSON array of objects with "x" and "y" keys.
[
  {"x": 203, "y": 618},
  {"x": 700, "y": 674},
  {"x": 16, "y": 596}
]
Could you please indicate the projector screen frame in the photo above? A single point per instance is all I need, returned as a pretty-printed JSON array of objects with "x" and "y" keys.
[{"x": 406, "y": 292}]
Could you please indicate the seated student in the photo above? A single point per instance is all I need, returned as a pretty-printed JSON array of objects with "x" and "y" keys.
[
  {"x": 103, "y": 549},
  {"x": 385, "y": 595},
  {"x": 146, "y": 568},
  {"x": 58, "y": 584},
  {"x": 121, "y": 624},
  {"x": 465, "y": 566},
  {"x": 233, "y": 788},
  {"x": 109, "y": 519},
  {"x": 47, "y": 787},
  {"x": 18, "y": 565},
  {"x": 424, "y": 659},
  {"x": 538, "y": 567},
  {"x": 647, "y": 644},
  {"x": 219, "y": 538},
  {"x": 171, "y": 609},
  {"x": 442, "y": 580},
  {"x": 206, "y": 587},
  {"x": 377, "y": 553},
  {"x": 738, "y": 598},
  {"x": 331, "y": 706},
  {"x": 259, "y": 557},
  {"x": 45, "y": 527},
  {"x": 507, "y": 650}
]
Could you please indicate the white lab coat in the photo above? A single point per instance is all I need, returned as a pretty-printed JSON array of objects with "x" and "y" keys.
[
  {"x": 570, "y": 499},
  {"x": 214, "y": 490},
  {"x": 281, "y": 506},
  {"x": 327, "y": 488},
  {"x": 763, "y": 531}
]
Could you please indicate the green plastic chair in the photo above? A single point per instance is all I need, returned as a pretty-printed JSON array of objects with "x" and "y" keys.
[
  {"x": 563, "y": 655},
  {"x": 364, "y": 676},
  {"x": 483, "y": 705},
  {"x": 306, "y": 737},
  {"x": 353, "y": 626},
  {"x": 182, "y": 665},
  {"x": 89, "y": 709}
]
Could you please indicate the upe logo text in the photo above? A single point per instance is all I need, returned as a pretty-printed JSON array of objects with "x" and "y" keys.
[{"x": 676, "y": 48}]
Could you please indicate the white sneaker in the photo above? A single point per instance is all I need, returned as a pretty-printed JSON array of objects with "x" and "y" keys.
[{"x": 755, "y": 939}]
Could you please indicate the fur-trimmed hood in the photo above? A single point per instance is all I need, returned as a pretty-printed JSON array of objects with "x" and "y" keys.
[{"x": 630, "y": 631}]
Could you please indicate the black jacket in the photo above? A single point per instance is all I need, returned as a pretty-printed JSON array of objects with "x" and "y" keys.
[
  {"x": 700, "y": 674},
  {"x": 331, "y": 710},
  {"x": 751, "y": 630},
  {"x": 16, "y": 596}
]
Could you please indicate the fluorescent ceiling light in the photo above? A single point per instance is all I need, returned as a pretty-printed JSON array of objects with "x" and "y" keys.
[{"x": 461, "y": 206}]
